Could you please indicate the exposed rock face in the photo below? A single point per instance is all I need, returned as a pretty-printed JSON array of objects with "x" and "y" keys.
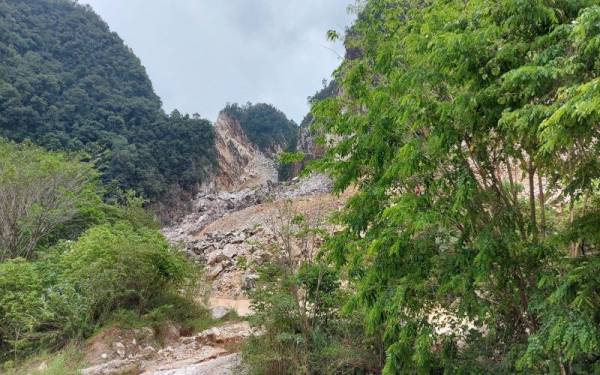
[
  {"x": 307, "y": 144},
  {"x": 241, "y": 163}
]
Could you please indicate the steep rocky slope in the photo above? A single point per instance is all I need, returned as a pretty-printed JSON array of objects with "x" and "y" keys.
[
  {"x": 241, "y": 163},
  {"x": 235, "y": 225}
]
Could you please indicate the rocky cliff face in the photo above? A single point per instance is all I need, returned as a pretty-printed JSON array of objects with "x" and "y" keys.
[
  {"x": 241, "y": 163},
  {"x": 245, "y": 188},
  {"x": 307, "y": 144}
]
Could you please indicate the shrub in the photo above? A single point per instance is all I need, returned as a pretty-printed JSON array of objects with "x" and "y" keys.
[
  {"x": 34, "y": 313},
  {"x": 119, "y": 266},
  {"x": 75, "y": 287},
  {"x": 297, "y": 304},
  {"x": 309, "y": 335},
  {"x": 40, "y": 192}
]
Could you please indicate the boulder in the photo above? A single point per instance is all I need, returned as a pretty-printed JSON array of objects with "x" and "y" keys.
[
  {"x": 219, "y": 312},
  {"x": 216, "y": 257},
  {"x": 215, "y": 271},
  {"x": 230, "y": 251},
  {"x": 249, "y": 281}
]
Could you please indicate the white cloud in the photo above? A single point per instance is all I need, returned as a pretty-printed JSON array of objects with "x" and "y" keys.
[{"x": 201, "y": 54}]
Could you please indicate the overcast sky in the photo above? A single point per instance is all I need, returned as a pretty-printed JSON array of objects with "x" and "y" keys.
[{"x": 201, "y": 54}]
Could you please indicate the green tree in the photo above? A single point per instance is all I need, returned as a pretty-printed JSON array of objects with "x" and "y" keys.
[
  {"x": 40, "y": 192},
  {"x": 457, "y": 120}
]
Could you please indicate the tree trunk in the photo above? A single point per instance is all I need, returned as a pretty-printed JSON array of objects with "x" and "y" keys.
[
  {"x": 574, "y": 247},
  {"x": 532, "y": 214},
  {"x": 542, "y": 206},
  {"x": 513, "y": 187}
]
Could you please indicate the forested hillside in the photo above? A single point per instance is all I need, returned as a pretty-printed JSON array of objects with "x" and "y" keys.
[
  {"x": 265, "y": 126},
  {"x": 68, "y": 83}
]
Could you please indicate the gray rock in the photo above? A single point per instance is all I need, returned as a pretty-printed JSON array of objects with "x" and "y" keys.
[
  {"x": 215, "y": 271},
  {"x": 230, "y": 251},
  {"x": 249, "y": 281},
  {"x": 219, "y": 312},
  {"x": 216, "y": 257},
  {"x": 202, "y": 248}
]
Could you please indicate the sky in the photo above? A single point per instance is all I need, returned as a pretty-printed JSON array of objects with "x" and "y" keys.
[{"x": 202, "y": 54}]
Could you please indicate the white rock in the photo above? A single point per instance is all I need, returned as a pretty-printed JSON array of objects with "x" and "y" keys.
[
  {"x": 219, "y": 312},
  {"x": 120, "y": 349}
]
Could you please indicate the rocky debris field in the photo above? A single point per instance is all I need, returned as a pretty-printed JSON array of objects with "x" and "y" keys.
[
  {"x": 211, "y": 206},
  {"x": 244, "y": 227},
  {"x": 230, "y": 234},
  {"x": 134, "y": 351}
]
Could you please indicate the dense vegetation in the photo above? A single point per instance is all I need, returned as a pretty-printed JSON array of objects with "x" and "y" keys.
[
  {"x": 470, "y": 129},
  {"x": 69, "y": 262},
  {"x": 68, "y": 83},
  {"x": 265, "y": 126},
  {"x": 296, "y": 305},
  {"x": 39, "y": 193}
]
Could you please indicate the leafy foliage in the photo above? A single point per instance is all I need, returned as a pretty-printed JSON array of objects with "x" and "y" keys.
[
  {"x": 330, "y": 89},
  {"x": 292, "y": 162},
  {"x": 266, "y": 126},
  {"x": 42, "y": 193},
  {"x": 86, "y": 259},
  {"x": 457, "y": 121},
  {"x": 68, "y": 83},
  {"x": 68, "y": 293},
  {"x": 118, "y": 266}
]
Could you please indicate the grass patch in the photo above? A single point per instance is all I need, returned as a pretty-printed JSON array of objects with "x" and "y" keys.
[{"x": 66, "y": 362}]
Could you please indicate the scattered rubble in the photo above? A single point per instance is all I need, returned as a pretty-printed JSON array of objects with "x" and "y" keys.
[
  {"x": 206, "y": 351},
  {"x": 211, "y": 206},
  {"x": 239, "y": 233}
]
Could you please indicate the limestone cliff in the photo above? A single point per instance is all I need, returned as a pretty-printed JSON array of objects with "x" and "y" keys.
[{"x": 241, "y": 164}]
